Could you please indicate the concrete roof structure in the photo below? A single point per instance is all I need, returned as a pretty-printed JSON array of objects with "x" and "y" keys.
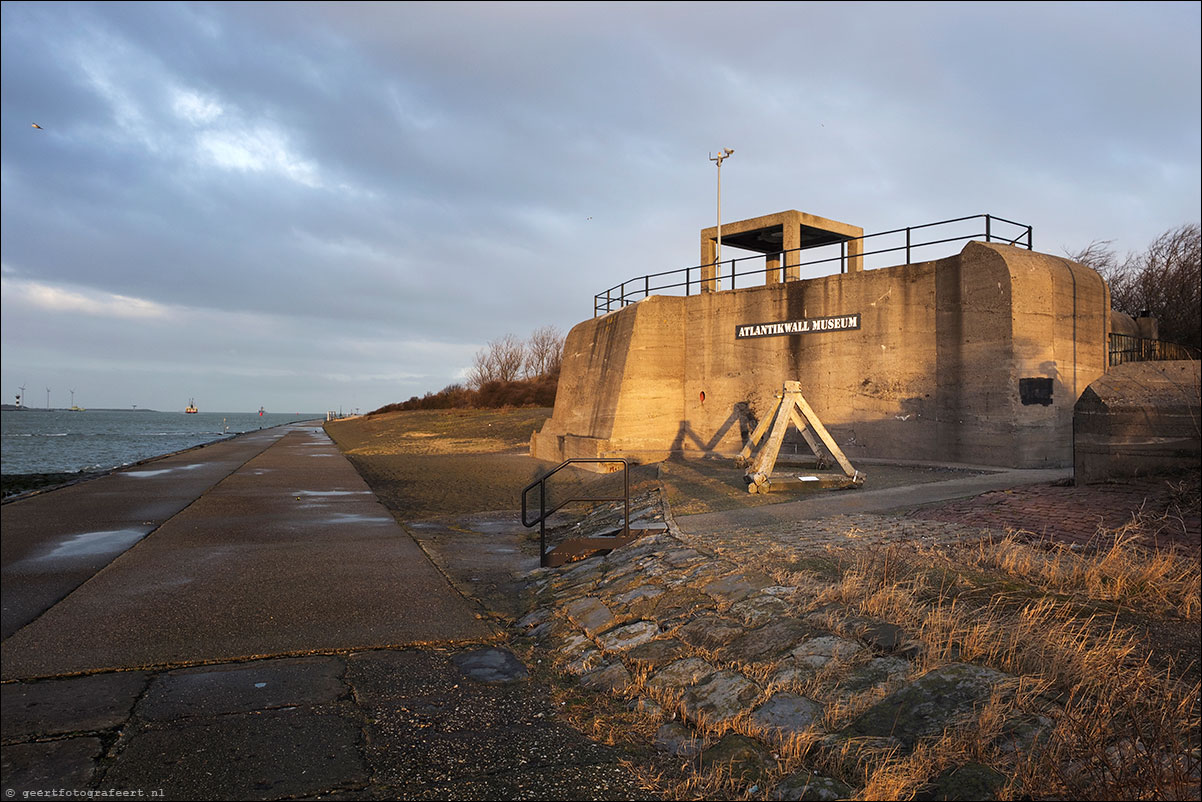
[{"x": 782, "y": 234}]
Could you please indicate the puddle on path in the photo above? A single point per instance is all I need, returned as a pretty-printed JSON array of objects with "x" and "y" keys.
[
  {"x": 94, "y": 544},
  {"x": 162, "y": 471},
  {"x": 355, "y": 518}
]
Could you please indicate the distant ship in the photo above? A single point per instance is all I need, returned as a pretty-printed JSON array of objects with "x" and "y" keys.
[
  {"x": 260, "y": 412},
  {"x": 191, "y": 408},
  {"x": 75, "y": 409}
]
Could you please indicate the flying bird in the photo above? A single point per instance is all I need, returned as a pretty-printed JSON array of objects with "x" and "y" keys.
[{"x": 35, "y": 125}]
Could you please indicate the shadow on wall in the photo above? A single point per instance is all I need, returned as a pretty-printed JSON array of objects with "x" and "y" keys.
[
  {"x": 911, "y": 409},
  {"x": 740, "y": 414}
]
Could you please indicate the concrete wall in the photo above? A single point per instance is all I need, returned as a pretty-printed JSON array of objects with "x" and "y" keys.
[
  {"x": 1122, "y": 323},
  {"x": 1140, "y": 418},
  {"x": 933, "y": 372}
]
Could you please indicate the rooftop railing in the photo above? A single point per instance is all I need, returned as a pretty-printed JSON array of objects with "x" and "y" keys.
[
  {"x": 909, "y": 240},
  {"x": 1129, "y": 348}
]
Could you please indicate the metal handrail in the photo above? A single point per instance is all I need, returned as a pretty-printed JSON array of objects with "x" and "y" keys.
[
  {"x": 544, "y": 513},
  {"x": 620, "y": 295},
  {"x": 1132, "y": 348}
]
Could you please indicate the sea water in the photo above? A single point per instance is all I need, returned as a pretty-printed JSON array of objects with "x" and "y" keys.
[{"x": 59, "y": 441}]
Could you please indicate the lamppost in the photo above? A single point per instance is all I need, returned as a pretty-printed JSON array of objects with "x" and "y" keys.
[{"x": 722, "y": 155}]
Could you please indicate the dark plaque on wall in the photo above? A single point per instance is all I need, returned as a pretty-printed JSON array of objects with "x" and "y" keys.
[{"x": 1035, "y": 391}]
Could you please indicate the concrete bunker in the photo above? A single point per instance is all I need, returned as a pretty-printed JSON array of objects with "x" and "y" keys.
[
  {"x": 977, "y": 357},
  {"x": 1139, "y": 419}
]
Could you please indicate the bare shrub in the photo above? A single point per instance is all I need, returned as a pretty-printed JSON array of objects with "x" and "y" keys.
[{"x": 537, "y": 392}]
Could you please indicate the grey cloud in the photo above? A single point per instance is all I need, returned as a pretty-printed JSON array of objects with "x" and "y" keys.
[{"x": 405, "y": 173}]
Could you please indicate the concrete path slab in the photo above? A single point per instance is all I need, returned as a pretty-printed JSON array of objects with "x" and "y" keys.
[
  {"x": 208, "y": 691},
  {"x": 289, "y": 554},
  {"x": 64, "y": 706},
  {"x": 266, "y": 754}
]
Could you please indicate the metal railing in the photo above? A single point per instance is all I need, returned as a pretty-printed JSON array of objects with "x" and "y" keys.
[
  {"x": 1130, "y": 348},
  {"x": 688, "y": 278},
  {"x": 544, "y": 513}
]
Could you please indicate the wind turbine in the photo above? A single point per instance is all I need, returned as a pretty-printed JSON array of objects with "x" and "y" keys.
[
  {"x": 47, "y": 398},
  {"x": 21, "y": 397}
]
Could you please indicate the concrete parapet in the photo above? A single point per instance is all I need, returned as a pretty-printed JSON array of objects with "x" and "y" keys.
[
  {"x": 975, "y": 358},
  {"x": 1140, "y": 418}
]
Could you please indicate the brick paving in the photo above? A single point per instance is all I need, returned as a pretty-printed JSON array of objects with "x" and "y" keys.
[{"x": 1077, "y": 514}]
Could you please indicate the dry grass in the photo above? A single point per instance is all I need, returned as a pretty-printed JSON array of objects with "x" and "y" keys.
[
  {"x": 1122, "y": 571},
  {"x": 437, "y": 462},
  {"x": 1091, "y": 712},
  {"x": 1088, "y": 713},
  {"x": 1120, "y": 720}
]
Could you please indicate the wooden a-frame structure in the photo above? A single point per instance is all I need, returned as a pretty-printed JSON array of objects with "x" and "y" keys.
[{"x": 791, "y": 408}]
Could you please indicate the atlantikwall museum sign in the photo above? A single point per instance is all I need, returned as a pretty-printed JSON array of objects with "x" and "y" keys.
[{"x": 804, "y": 326}]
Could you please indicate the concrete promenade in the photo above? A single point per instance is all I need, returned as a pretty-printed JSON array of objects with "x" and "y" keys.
[
  {"x": 287, "y": 553},
  {"x": 246, "y": 621},
  {"x": 871, "y": 501},
  {"x": 54, "y": 542}
]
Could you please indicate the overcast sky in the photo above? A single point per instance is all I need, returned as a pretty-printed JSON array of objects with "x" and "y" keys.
[{"x": 322, "y": 206}]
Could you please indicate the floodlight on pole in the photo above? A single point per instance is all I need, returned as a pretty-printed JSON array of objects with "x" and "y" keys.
[{"x": 722, "y": 155}]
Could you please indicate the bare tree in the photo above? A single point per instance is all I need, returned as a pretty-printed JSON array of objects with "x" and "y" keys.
[
  {"x": 510, "y": 356},
  {"x": 1168, "y": 283},
  {"x": 501, "y": 360},
  {"x": 1165, "y": 281},
  {"x": 544, "y": 352},
  {"x": 1098, "y": 255},
  {"x": 480, "y": 371}
]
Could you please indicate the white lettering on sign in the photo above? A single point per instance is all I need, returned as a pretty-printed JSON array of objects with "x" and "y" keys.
[{"x": 804, "y": 326}]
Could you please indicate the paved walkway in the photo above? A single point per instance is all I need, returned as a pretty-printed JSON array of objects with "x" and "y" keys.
[
  {"x": 55, "y": 542},
  {"x": 288, "y": 554},
  {"x": 848, "y": 502},
  {"x": 247, "y": 621}
]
